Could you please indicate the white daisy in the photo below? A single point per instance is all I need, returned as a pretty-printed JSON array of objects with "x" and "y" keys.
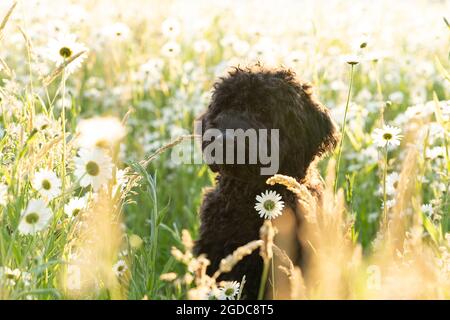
[
  {"x": 151, "y": 70},
  {"x": 240, "y": 47},
  {"x": 170, "y": 49},
  {"x": 117, "y": 31},
  {"x": 123, "y": 253},
  {"x": 229, "y": 290},
  {"x": 121, "y": 181},
  {"x": 214, "y": 294},
  {"x": 35, "y": 217},
  {"x": 41, "y": 122},
  {"x": 64, "y": 47},
  {"x": 391, "y": 183},
  {"x": 263, "y": 50},
  {"x": 427, "y": 209},
  {"x": 102, "y": 132},
  {"x": 361, "y": 42},
  {"x": 227, "y": 40},
  {"x": 171, "y": 28},
  {"x": 47, "y": 184},
  {"x": 351, "y": 59},
  {"x": 75, "y": 206},
  {"x": 387, "y": 136},
  {"x": 3, "y": 194},
  {"x": 269, "y": 205},
  {"x": 373, "y": 216},
  {"x": 397, "y": 97},
  {"x": 93, "y": 167},
  {"x": 390, "y": 204},
  {"x": 120, "y": 268},
  {"x": 202, "y": 46},
  {"x": 294, "y": 57},
  {"x": 9, "y": 277},
  {"x": 26, "y": 278},
  {"x": 65, "y": 103},
  {"x": 435, "y": 153},
  {"x": 430, "y": 212}
]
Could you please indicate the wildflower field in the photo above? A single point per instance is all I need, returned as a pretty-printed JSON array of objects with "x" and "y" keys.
[{"x": 96, "y": 96}]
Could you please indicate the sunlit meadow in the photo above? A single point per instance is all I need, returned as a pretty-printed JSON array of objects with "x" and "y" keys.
[{"x": 94, "y": 95}]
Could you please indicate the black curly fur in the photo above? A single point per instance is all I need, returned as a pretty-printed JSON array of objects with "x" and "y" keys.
[{"x": 258, "y": 98}]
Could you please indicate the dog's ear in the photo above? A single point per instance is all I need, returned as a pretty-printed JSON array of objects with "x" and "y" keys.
[
  {"x": 311, "y": 132},
  {"x": 200, "y": 128},
  {"x": 323, "y": 131}
]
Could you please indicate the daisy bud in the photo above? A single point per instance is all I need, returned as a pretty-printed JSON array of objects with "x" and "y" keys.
[
  {"x": 188, "y": 278},
  {"x": 169, "y": 277},
  {"x": 177, "y": 254},
  {"x": 186, "y": 239}
]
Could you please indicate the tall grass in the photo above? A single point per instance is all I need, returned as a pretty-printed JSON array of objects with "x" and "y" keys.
[{"x": 122, "y": 244}]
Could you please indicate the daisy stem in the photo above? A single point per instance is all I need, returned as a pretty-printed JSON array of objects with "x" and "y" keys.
[
  {"x": 343, "y": 130},
  {"x": 273, "y": 279},
  {"x": 63, "y": 124},
  {"x": 264, "y": 276},
  {"x": 379, "y": 88},
  {"x": 384, "y": 184}
]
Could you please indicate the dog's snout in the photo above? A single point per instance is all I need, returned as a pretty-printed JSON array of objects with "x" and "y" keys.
[{"x": 232, "y": 121}]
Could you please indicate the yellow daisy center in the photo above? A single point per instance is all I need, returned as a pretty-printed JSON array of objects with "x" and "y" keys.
[
  {"x": 102, "y": 144},
  {"x": 229, "y": 291},
  {"x": 46, "y": 185},
  {"x": 269, "y": 205},
  {"x": 32, "y": 218},
  {"x": 92, "y": 168},
  {"x": 10, "y": 276},
  {"x": 65, "y": 52}
]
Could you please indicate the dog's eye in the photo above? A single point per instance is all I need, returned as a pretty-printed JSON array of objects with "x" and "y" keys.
[{"x": 265, "y": 111}]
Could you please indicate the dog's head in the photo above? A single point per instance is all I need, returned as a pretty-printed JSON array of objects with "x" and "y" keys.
[{"x": 257, "y": 98}]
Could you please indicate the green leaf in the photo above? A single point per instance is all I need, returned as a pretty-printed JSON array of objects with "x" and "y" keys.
[
  {"x": 441, "y": 69},
  {"x": 435, "y": 234}
]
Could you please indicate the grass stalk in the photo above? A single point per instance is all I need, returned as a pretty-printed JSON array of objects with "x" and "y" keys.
[
  {"x": 343, "y": 129},
  {"x": 264, "y": 277}
]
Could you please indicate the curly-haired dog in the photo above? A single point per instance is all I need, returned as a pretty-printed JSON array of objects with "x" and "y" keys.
[{"x": 259, "y": 98}]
